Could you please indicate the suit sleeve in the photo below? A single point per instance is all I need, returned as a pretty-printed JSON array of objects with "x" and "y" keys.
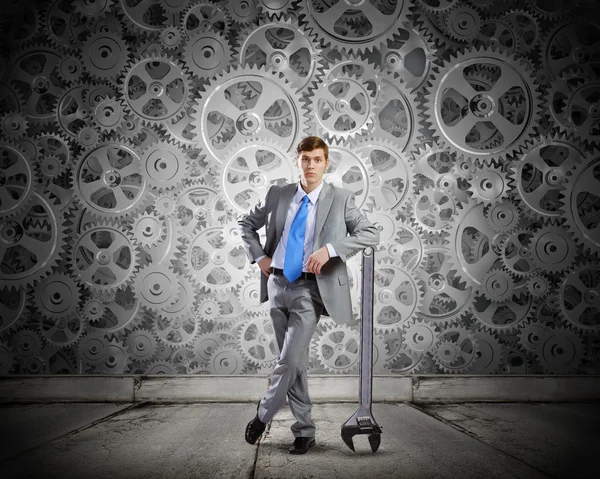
[
  {"x": 363, "y": 233},
  {"x": 249, "y": 224}
]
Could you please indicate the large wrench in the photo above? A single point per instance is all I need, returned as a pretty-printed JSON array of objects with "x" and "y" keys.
[{"x": 362, "y": 421}]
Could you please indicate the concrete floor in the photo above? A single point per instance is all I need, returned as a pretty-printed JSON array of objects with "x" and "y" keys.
[{"x": 206, "y": 440}]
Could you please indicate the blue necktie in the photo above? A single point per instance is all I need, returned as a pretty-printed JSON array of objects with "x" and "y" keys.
[{"x": 294, "y": 249}]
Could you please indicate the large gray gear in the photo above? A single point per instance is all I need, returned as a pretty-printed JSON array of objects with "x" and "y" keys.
[
  {"x": 498, "y": 285},
  {"x": 456, "y": 351},
  {"x": 156, "y": 287},
  {"x": 227, "y": 359},
  {"x": 183, "y": 308},
  {"x": 490, "y": 185},
  {"x": 109, "y": 355},
  {"x": 285, "y": 47},
  {"x": 109, "y": 182},
  {"x": 567, "y": 47},
  {"x": 445, "y": 297},
  {"x": 420, "y": 335},
  {"x": 145, "y": 15},
  {"x": 33, "y": 242},
  {"x": 504, "y": 217},
  {"x": 176, "y": 333},
  {"x": 109, "y": 115},
  {"x": 470, "y": 243},
  {"x": 164, "y": 166},
  {"x": 141, "y": 344},
  {"x": 62, "y": 332},
  {"x": 392, "y": 176},
  {"x": 251, "y": 167},
  {"x": 17, "y": 183},
  {"x": 505, "y": 316},
  {"x": 478, "y": 123},
  {"x": 105, "y": 55},
  {"x": 192, "y": 208},
  {"x": 435, "y": 164},
  {"x": 275, "y": 9},
  {"x": 257, "y": 340},
  {"x": 498, "y": 34},
  {"x": 104, "y": 257},
  {"x": 561, "y": 350},
  {"x": 531, "y": 334},
  {"x": 213, "y": 261},
  {"x": 397, "y": 117},
  {"x": 36, "y": 81},
  {"x": 398, "y": 296},
  {"x": 206, "y": 16},
  {"x": 463, "y": 23},
  {"x": 156, "y": 88},
  {"x": 409, "y": 245},
  {"x": 241, "y": 102},
  {"x": 13, "y": 305},
  {"x": 527, "y": 27},
  {"x": 541, "y": 173},
  {"x": 579, "y": 203},
  {"x": 434, "y": 209},
  {"x": 553, "y": 249},
  {"x": 351, "y": 26},
  {"x": 148, "y": 229},
  {"x": 206, "y": 54},
  {"x": 57, "y": 296},
  {"x": 579, "y": 297},
  {"x": 490, "y": 353},
  {"x": 338, "y": 348},
  {"x": 412, "y": 58}
]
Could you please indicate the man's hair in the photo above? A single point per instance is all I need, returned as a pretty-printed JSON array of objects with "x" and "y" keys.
[{"x": 311, "y": 143}]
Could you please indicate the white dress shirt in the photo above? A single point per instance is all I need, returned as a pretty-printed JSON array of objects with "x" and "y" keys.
[{"x": 309, "y": 233}]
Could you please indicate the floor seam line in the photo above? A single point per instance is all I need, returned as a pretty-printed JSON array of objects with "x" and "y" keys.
[
  {"x": 75, "y": 431},
  {"x": 470, "y": 434}
]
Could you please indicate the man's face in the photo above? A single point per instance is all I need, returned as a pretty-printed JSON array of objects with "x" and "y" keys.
[{"x": 312, "y": 165}]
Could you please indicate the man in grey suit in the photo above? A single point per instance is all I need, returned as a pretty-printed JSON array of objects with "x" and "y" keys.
[{"x": 304, "y": 275}]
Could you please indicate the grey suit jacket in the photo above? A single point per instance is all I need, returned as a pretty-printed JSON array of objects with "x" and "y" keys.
[{"x": 337, "y": 215}]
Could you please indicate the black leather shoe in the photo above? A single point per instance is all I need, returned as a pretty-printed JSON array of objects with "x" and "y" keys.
[
  {"x": 301, "y": 445},
  {"x": 254, "y": 430}
]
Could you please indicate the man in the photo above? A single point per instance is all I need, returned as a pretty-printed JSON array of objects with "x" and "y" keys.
[{"x": 304, "y": 276}]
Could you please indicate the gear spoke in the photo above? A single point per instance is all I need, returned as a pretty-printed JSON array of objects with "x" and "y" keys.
[{"x": 329, "y": 17}]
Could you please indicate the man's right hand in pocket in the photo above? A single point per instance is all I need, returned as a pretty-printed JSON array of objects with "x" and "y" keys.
[{"x": 265, "y": 265}]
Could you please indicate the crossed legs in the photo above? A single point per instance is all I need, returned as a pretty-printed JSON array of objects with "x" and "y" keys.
[{"x": 295, "y": 311}]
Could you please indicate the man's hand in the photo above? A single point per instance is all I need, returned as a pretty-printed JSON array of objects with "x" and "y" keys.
[
  {"x": 317, "y": 260},
  {"x": 265, "y": 265}
]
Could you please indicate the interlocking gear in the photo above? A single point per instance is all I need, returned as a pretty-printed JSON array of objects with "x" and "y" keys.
[
  {"x": 484, "y": 124},
  {"x": 206, "y": 54},
  {"x": 338, "y": 348},
  {"x": 109, "y": 182},
  {"x": 579, "y": 294},
  {"x": 285, "y": 47},
  {"x": 354, "y": 27},
  {"x": 104, "y": 257},
  {"x": 245, "y": 101},
  {"x": 156, "y": 88}
]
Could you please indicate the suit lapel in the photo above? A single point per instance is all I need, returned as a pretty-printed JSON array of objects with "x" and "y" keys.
[
  {"x": 283, "y": 205},
  {"x": 323, "y": 206}
]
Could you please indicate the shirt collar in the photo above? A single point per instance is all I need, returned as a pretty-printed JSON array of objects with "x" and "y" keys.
[{"x": 313, "y": 196}]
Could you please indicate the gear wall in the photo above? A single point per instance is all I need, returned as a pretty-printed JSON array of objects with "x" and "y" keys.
[{"x": 136, "y": 132}]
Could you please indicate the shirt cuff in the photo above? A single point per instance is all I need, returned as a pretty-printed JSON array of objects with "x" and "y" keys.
[
  {"x": 259, "y": 258},
  {"x": 332, "y": 252}
]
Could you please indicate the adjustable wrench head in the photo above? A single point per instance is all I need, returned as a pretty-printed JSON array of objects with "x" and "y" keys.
[{"x": 362, "y": 422}]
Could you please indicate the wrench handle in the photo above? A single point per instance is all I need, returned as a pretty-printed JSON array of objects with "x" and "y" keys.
[{"x": 366, "y": 356}]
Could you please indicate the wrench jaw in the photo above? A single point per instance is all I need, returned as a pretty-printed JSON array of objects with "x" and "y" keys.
[{"x": 362, "y": 422}]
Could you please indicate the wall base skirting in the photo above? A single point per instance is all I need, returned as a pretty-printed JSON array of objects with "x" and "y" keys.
[{"x": 323, "y": 388}]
